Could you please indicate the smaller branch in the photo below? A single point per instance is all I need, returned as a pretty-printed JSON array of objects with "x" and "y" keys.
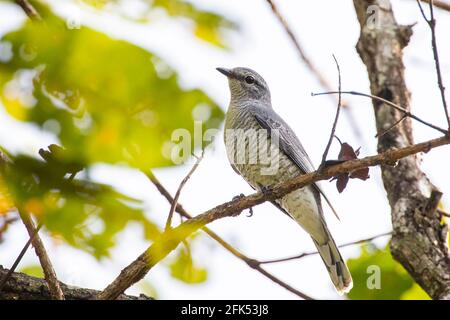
[
  {"x": 305, "y": 254},
  {"x": 336, "y": 118},
  {"x": 49, "y": 272},
  {"x": 439, "y": 4},
  {"x": 177, "y": 194},
  {"x": 29, "y": 10},
  {"x": 254, "y": 264},
  {"x": 432, "y": 24},
  {"x": 25, "y": 248},
  {"x": 383, "y": 132},
  {"x": 19, "y": 258},
  {"x": 315, "y": 70},
  {"x": 389, "y": 103}
]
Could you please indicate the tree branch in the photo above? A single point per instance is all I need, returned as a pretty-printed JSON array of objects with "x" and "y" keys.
[
  {"x": 49, "y": 272},
  {"x": 389, "y": 104},
  {"x": 432, "y": 24},
  {"x": 29, "y": 10},
  {"x": 252, "y": 263},
  {"x": 439, "y": 4},
  {"x": 312, "y": 67},
  {"x": 418, "y": 240},
  {"x": 24, "y": 287},
  {"x": 177, "y": 194},
  {"x": 306, "y": 254},
  {"x": 336, "y": 118},
  {"x": 170, "y": 239}
]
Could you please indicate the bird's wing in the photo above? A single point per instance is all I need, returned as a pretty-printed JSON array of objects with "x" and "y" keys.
[{"x": 289, "y": 143}]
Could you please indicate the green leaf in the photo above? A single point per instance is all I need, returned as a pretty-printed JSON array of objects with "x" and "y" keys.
[
  {"x": 33, "y": 270},
  {"x": 207, "y": 25},
  {"x": 184, "y": 269},
  {"x": 395, "y": 282},
  {"x": 87, "y": 215},
  {"x": 415, "y": 293},
  {"x": 106, "y": 100}
]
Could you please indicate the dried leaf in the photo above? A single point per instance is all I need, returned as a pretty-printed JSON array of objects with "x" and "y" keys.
[{"x": 345, "y": 154}]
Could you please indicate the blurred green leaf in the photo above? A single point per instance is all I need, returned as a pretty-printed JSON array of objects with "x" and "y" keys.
[
  {"x": 33, "y": 270},
  {"x": 87, "y": 215},
  {"x": 148, "y": 289},
  {"x": 106, "y": 100},
  {"x": 395, "y": 282},
  {"x": 206, "y": 25},
  {"x": 184, "y": 269}
]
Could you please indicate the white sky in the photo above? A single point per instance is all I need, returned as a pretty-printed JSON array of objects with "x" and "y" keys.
[{"x": 324, "y": 27}]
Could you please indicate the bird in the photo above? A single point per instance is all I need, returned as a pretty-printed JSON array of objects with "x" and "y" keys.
[{"x": 249, "y": 114}]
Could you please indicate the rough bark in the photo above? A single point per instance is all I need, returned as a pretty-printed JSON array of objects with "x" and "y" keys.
[
  {"x": 23, "y": 287},
  {"x": 419, "y": 238}
]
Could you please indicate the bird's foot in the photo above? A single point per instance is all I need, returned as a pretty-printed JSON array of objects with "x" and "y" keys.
[
  {"x": 250, "y": 210},
  {"x": 239, "y": 196},
  {"x": 266, "y": 189}
]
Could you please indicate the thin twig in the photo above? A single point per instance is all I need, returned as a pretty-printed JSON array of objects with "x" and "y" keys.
[
  {"x": 336, "y": 118},
  {"x": 29, "y": 10},
  {"x": 396, "y": 123},
  {"x": 177, "y": 194},
  {"x": 305, "y": 254},
  {"x": 389, "y": 103},
  {"x": 312, "y": 67},
  {"x": 26, "y": 246},
  {"x": 170, "y": 239},
  {"x": 19, "y": 258},
  {"x": 49, "y": 272},
  {"x": 432, "y": 24},
  {"x": 254, "y": 264}
]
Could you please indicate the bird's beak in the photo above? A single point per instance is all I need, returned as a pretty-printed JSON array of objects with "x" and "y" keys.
[{"x": 224, "y": 71}]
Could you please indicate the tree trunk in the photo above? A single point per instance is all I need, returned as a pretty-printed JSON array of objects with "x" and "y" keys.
[{"x": 419, "y": 238}]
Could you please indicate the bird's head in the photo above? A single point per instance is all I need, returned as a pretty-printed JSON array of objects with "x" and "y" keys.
[{"x": 246, "y": 84}]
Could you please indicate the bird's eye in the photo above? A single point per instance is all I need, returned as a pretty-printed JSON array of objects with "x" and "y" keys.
[{"x": 249, "y": 79}]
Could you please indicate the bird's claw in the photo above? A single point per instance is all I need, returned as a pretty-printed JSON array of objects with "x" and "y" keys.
[
  {"x": 266, "y": 189},
  {"x": 239, "y": 196},
  {"x": 250, "y": 210}
]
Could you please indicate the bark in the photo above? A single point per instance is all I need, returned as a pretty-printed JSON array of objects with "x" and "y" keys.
[
  {"x": 23, "y": 287},
  {"x": 419, "y": 237}
]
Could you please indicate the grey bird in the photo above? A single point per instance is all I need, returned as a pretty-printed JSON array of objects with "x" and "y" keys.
[{"x": 250, "y": 110}]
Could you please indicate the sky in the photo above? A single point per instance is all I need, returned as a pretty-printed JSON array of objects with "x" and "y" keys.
[{"x": 324, "y": 28}]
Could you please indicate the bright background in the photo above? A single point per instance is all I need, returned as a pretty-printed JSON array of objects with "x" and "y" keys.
[{"x": 324, "y": 28}]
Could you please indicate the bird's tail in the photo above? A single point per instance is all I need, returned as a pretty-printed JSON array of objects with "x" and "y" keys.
[{"x": 336, "y": 266}]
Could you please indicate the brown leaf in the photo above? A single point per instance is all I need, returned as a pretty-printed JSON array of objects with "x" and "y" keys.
[
  {"x": 362, "y": 174},
  {"x": 348, "y": 153}
]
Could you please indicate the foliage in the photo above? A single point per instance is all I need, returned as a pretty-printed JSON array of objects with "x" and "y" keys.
[
  {"x": 395, "y": 282},
  {"x": 33, "y": 270},
  {"x": 183, "y": 268},
  {"x": 106, "y": 101},
  {"x": 206, "y": 25}
]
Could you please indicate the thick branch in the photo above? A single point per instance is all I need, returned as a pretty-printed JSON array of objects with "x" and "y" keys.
[
  {"x": 170, "y": 239},
  {"x": 418, "y": 240},
  {"x": 24, "y": 287}
]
